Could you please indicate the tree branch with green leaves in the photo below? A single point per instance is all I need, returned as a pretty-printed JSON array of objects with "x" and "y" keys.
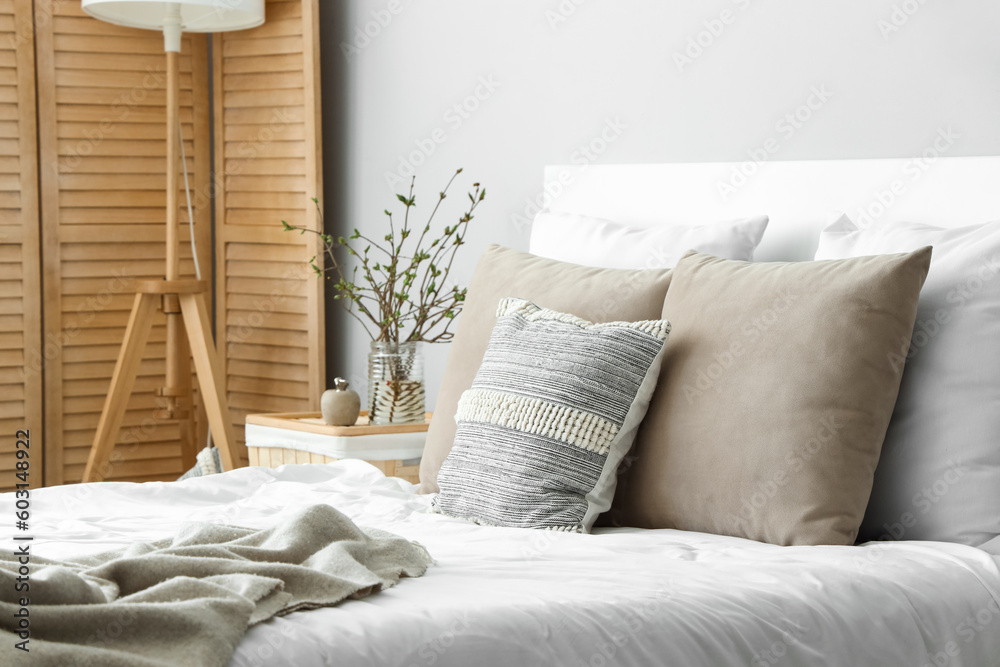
[{"x": 403, "y": 293}]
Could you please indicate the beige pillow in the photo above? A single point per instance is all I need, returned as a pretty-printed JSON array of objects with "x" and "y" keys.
[
  {"x": 597, "y": 295},
  {"x": 774, "y": 397}
]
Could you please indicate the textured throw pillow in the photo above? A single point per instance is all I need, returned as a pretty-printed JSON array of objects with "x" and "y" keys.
[
  {"x": 939, "y": 475},
  {"x": 774, "y": 398},
  {"x": 596, "y": 295},
  {"x": 582, "y": 239},
  {"x": 553, "y": 410}
]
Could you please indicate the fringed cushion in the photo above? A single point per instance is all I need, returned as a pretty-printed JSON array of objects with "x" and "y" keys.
[{"x": 551, "y": 414}]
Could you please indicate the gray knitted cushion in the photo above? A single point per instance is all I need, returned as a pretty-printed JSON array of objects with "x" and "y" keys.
[{"x": 553, "y": 410}]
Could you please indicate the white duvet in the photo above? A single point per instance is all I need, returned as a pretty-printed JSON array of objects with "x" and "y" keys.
[{"x": 518, "y": 597}]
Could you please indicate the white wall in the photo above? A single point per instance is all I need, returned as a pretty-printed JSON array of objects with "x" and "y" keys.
[{"x": 891, "y": 74}]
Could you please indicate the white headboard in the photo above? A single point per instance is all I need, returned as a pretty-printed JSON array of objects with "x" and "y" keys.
[{"x": 799, "y": 197}]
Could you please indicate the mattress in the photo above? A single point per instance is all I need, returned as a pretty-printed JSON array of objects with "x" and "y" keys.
[{"x": 499, "y": 596}]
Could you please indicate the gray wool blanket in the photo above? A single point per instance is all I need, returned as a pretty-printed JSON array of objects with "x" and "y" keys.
[{"x": 188, "y": 600}]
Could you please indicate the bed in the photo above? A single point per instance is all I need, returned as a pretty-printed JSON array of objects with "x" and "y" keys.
[
  {"x": 622, "y": 596},
  {"x": 501, "y": 596}
]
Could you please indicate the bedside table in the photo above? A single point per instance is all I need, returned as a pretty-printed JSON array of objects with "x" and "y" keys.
[{"x": 302, "y": 437}]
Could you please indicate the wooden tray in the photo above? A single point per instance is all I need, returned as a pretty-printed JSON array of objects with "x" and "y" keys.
[{"x": 312, "y": 422}]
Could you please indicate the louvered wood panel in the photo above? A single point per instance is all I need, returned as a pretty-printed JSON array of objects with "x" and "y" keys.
[
  {"x": 102, "y": 137},
  {"x": 20, "y": 290},
  {"x": 267, "y": 130}
]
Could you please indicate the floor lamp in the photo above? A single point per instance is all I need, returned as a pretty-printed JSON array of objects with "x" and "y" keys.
[{"x": 182, "y": 300}]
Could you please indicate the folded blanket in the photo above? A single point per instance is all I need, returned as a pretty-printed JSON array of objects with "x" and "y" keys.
[{"x": 190, "y": 599}]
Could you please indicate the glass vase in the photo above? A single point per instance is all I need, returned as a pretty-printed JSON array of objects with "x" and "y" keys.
[{"x": 395, "y": 383}]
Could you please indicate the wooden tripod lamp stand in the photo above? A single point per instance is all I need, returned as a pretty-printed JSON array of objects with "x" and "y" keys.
[{"x": 182, "y": 300}]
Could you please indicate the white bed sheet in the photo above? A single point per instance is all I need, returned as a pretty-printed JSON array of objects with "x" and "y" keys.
[{"x": 518, "y": 597}]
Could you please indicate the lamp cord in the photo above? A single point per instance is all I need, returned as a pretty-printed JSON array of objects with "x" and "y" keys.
[{"x": 187, "y": 193}]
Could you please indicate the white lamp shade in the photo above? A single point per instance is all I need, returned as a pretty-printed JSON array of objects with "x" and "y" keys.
[{"x": 196, "y": 15}]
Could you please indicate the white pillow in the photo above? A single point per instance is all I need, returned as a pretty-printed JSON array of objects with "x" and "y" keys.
[
  {"x": 590, "y": 241},
  {"x": 939, "y": 474}
]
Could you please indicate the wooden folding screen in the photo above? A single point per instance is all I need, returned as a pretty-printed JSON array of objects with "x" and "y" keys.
[
  {"x": 267, "y": 157},
  {"x": 20, "y": 307},
  {"x": 102, "y": 143},
  {"x": 82, "y": 131}
]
